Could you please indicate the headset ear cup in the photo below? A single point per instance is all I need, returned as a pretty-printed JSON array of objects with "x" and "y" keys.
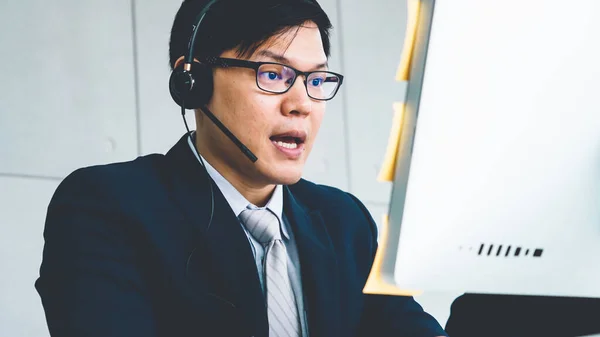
[
  {"x": 179, "y": 85},
  {"x": 203, "y": 86},
  {"x": 194, "y": 87}
]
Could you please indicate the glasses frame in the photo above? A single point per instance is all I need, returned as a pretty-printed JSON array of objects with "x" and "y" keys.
[{"x": 224, "y": 62}]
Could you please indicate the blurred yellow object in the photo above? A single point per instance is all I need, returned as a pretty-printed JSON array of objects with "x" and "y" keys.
[
  {"x": 389, "y": 162},
  {"x": 375, "y": 283},
  {"x": 403, "y": 74}
]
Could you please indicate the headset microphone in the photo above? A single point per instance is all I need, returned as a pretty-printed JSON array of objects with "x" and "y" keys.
[{"x": 228, "y": 133}]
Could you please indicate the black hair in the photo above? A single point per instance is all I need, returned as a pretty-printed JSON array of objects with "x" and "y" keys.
[{"x": 243, "y": 25}]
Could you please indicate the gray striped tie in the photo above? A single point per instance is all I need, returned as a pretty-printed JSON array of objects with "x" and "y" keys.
[{"x": 264, "y": 226}]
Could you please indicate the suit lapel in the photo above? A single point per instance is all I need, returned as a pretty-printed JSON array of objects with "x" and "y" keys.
[
  {"x": 222, "y": 250},
  {"x": 318, "y": 266}
]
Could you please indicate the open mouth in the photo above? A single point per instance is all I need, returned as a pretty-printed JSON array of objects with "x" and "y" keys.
[
  {"x": 290, "y": 143},
  {"x": 290, "y": 140},
  {"x": 287, "y": 142}
]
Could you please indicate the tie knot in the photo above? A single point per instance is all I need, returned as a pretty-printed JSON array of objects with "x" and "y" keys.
[{"x": 262, "y": 224}]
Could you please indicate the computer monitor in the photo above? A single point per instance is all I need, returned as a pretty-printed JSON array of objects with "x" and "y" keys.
[{"x": 497, "y": 180}]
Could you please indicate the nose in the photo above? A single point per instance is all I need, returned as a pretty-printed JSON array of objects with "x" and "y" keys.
[{"x": 296, "y": 101}]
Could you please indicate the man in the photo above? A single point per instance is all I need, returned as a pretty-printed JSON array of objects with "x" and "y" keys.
[{"x": 205, "y": 242}]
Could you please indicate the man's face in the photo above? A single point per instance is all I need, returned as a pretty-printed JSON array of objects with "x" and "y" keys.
[{"x": 280, "y": 129}]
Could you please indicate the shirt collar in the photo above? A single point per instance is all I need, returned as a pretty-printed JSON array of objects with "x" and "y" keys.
[{"x": 236, "y": 200}]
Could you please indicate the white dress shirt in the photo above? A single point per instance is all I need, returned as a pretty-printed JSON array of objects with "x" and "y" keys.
[{"x": 238, "y": 203}]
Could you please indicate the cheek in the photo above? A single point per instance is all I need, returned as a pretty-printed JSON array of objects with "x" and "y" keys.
[
  {"x": 260, "y": 108},
  {"x": 252, "y": 121},
  {"x": 244, "y": 108}
]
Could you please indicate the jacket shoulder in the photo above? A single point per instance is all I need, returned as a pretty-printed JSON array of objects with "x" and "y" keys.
[{"x": 110, "y": 182}]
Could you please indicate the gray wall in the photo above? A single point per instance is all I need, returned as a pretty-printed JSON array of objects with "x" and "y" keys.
[{"x": 85, "y": 83}]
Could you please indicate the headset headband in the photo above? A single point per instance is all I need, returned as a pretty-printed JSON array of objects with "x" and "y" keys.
[{"x": 190, "y": 54}]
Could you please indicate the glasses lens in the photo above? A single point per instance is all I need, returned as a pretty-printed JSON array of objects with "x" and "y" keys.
[
  {"x": 322, "y": 85},
  {"x": 274, "y": 77}
]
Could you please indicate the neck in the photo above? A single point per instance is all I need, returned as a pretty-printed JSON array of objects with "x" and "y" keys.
[{"x": 256, "y": 193}]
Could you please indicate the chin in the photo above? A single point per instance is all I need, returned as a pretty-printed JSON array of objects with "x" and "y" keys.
[
  {"x": 277, "y": 171},
  {"x": 289, "y": 178}
]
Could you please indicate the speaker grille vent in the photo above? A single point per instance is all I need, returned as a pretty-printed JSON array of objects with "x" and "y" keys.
[{"x": 503, "y": 250}]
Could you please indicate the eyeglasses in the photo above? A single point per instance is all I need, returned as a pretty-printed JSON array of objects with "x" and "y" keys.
[{"x": 278, "y": 78}]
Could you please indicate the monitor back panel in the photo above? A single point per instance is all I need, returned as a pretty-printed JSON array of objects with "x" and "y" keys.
[{"x": 500, "y": 191}]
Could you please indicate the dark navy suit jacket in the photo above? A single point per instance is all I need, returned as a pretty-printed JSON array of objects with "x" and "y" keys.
[{"x": 128, "y": 253}]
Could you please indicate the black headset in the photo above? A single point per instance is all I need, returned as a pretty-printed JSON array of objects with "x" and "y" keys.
[
  {"x": 191, "y": 83},
  {"x": 191, "y": 87}
]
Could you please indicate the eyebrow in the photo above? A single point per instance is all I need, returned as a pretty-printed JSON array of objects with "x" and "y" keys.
[{"x": 283, "y": 59}]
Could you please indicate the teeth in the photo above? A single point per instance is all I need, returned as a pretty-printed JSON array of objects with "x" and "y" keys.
[{"x": 287, "y": 145}]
